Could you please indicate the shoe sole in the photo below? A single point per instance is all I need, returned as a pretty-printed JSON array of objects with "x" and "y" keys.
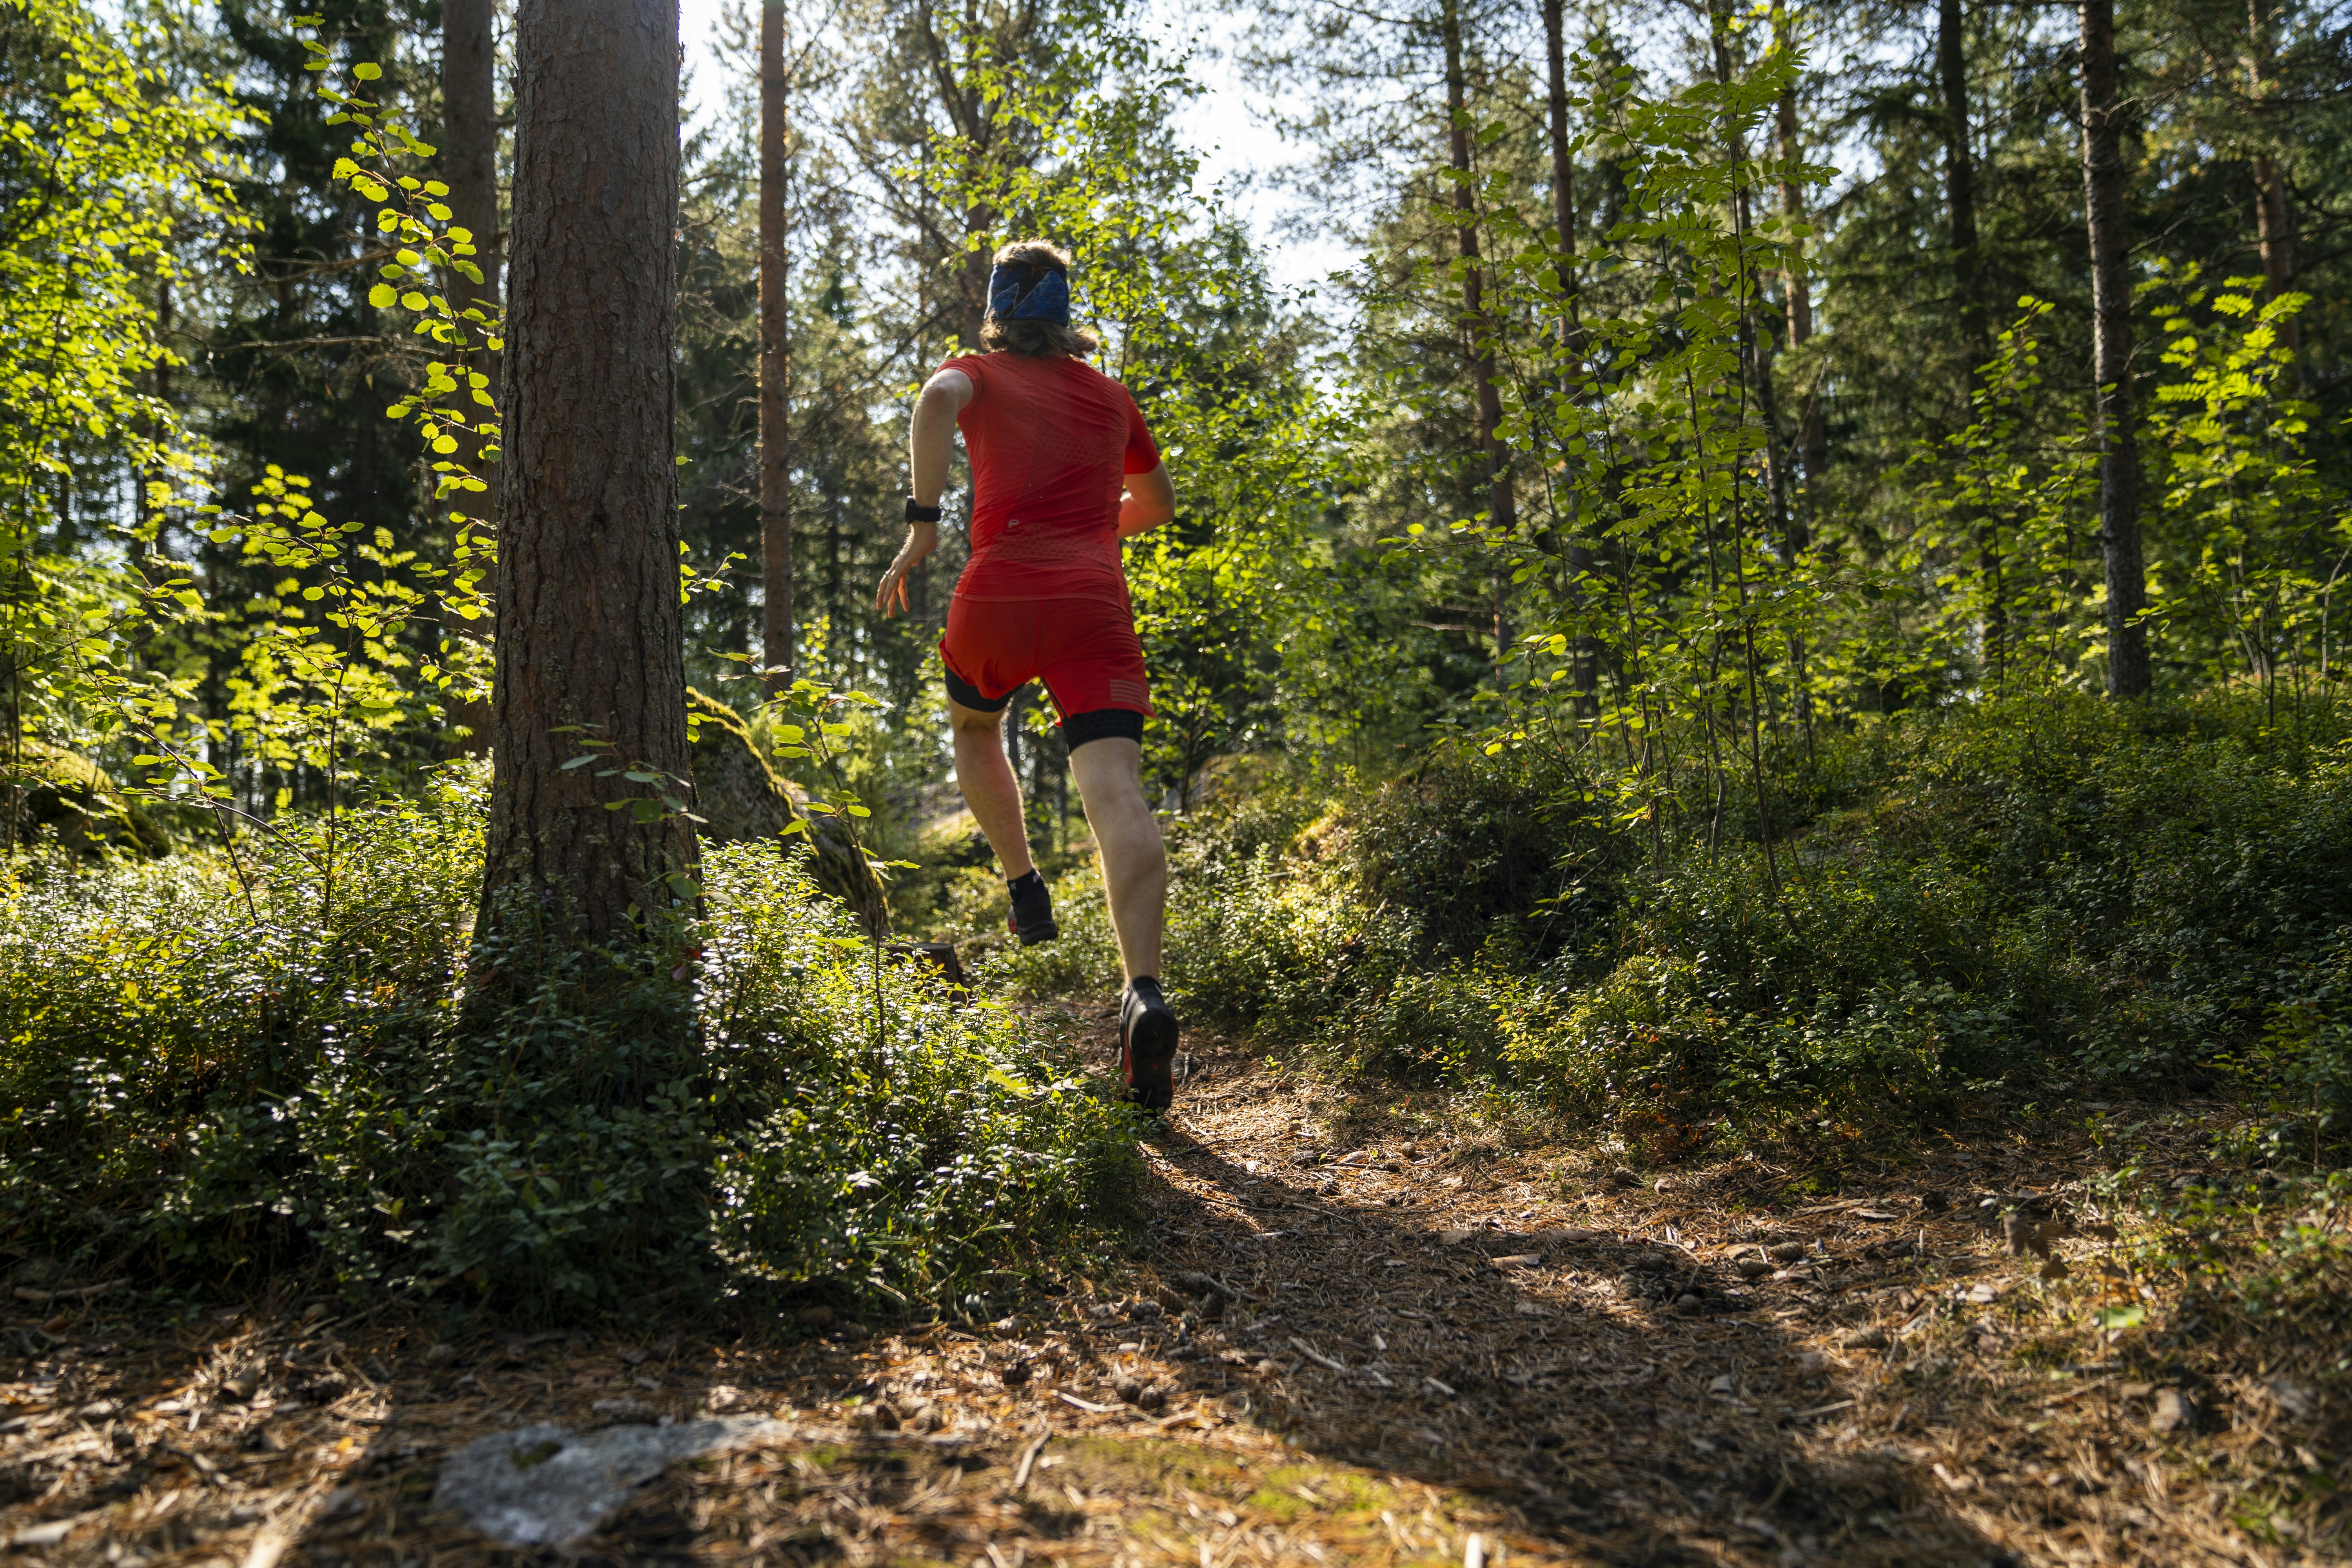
[{"x": 1152, "y": 1058}]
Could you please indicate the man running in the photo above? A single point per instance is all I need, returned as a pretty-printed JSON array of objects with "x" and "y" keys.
[{"x": 1063, "y": 468}]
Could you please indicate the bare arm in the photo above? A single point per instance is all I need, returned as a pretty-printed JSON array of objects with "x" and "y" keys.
[
  {"x": 931, "y": 446},
  {"x": 1149, "y": 501}
]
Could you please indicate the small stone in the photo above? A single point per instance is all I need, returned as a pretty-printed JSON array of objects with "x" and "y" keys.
[
  {"x": 2299, "y": 1400},
  {"x": 1129, "y": 1390},
  {"x": 1151, "y": 1399},
  {"x": 241, "y": 1384},
  {"x": 1725, "y": 1383},
  {"x": 2172, "y": 1411},
  {"x": 445, "y": 1352},
  {"x": 1690, "y": 1305},
  {"x": 1870, "y": 1339}
]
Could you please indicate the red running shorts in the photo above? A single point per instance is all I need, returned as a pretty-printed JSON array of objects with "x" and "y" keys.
[{"x": 1085, "y": 649}]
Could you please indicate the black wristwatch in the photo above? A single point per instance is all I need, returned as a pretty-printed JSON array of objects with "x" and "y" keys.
[{"x": 918, "y": 512}]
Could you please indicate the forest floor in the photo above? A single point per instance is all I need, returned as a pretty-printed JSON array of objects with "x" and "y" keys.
[{"x": 1370, "y": 1330}]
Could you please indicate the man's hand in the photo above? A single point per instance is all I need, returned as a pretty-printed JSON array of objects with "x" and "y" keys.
[{"x": 922, "y": 538}]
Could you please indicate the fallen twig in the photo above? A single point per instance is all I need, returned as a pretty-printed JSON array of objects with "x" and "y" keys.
[
  {"x": 1029, "y": 1460},
  {"x": 76, "y": 1293}
]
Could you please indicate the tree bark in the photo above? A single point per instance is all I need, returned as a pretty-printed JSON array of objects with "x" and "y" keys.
[
  {"x": 1960, "y": 178},
  {"x": 470, "y": 152},
  {"x": 2270, "y": 186},
  {"x": 1756, "y": 341},
  {"x": 1968, "y": 297},
  {"x": 2102, "y": 203},
  {"x": 1585, "y": 667},
  {"x": 1502, "y": 506},
  {"x": 589, "y": 623},
  {"x": 1813, "y": 424},
  {"x": 775, "y": 353}
]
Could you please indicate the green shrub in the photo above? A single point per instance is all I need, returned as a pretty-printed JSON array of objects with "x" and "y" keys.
[
  {"x": 1467, "y": 839},
  {"x": 210, "y": 1081},
  {"x": 2004, "y": 892}
]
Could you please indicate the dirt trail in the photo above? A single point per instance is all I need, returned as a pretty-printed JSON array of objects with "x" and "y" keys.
[{"x": 1365, "y": 1335}]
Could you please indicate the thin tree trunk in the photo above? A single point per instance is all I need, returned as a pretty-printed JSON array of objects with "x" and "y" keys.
[
  {"x": 589, "y": 625},
  {"x": 2269, "y": 188},
  {"x": 1960, "y": 178},
  {"x": 2103, "y": 194},
  {"x": 1502, "y": 507},
  {"x": 1813, "y": 424},
  {"x": 1968, "y": 296},
  {"x": 1585, "y": 666},
  {"x": 775, "y": 353},
  {"x": 1755, "y": 341},
  {"x": 469, "y": 156}
]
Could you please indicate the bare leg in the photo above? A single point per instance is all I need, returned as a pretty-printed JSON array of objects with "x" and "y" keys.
[
  {"x": 985, "y": 777},
  {"x": 1134, "y": 861}
]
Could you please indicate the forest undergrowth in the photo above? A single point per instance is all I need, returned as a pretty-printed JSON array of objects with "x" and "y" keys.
[{"x": 223, "y": 1070}]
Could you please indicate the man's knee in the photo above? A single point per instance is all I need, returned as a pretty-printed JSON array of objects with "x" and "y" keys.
[{"x": 966, "y": 721}]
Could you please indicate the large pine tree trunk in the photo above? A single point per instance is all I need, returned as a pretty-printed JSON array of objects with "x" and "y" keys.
[
  {"x": 2103, "y": 202},
  {"x": 1502, "y": 504},
  {"x": 775, "y": 353},
  {"x": 589, "y": 629},
  {"x": 469, "y": 151}
]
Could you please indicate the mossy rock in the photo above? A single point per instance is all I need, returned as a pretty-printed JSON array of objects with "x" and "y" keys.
[
  {"x": 742, "y": 799},
  {"x": 46, "y": 791}
]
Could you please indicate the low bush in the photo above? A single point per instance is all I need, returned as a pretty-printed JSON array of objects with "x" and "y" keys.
[
  {"x": 213, "y": 1076},
  {"x": 2003, "y": 894}
]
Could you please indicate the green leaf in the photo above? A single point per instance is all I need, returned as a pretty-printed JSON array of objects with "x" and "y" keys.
[
  {"x": 382, "y": 295},
  {"x": 367, "y": 71}
]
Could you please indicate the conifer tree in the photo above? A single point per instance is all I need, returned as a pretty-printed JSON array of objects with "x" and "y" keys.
[{"x": 590, "y": 644}]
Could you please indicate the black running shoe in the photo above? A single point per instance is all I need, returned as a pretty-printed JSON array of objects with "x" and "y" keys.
[
  {"x": 1033, "y": 911},
  {"x": 1146, "y": 1045}
]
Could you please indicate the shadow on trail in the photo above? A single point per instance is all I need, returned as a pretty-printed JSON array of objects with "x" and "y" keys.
[{"x": 1572, "y": 1388}]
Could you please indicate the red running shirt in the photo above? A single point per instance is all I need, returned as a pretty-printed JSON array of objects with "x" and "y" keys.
[{"x": 1052, "y": 442}]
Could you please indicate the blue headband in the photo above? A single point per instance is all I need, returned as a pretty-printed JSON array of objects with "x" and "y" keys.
[{"x": 1048, "y": 297}]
